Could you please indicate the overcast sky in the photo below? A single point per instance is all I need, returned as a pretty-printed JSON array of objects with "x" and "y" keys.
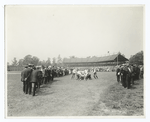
[{"x": 47, "y": 31}]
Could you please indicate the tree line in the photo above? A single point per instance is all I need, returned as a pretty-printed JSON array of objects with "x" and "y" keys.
[
  {"x": 29, "y": 59},
  {"x": 138, "y": 58}
]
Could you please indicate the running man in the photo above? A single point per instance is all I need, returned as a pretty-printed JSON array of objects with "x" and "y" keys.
[
  {"x": 95, "y": 73},
  {"x": 73, "y": 73}
]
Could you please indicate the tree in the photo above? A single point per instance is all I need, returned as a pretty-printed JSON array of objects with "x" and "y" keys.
[
  {"x": 8, "y": 69},
  {"x": 137, "y": 58},
  {"x": 39, "y": 63},
  {"x": 14, "y": 62},
  {"x": 30, "y": 60},
  {"x": 27, "y": 59},
  {"x": 20, "y": 62},
  {"x": 35, "y": 60},
  {"x": 59, "y": 61},
  {"x": 48, "y": 62},
  {"x": 54, "y": 62},
  {"x": 88, "y": 57},
  {"x": 72, "y": 56},
  {"x": 43, "y": 63}
]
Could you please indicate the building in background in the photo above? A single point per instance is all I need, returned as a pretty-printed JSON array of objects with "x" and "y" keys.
[{"x": 110, "y": 60}]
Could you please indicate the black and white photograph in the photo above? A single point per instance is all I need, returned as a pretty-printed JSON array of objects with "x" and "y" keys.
[{"x": 74, "y": 61}]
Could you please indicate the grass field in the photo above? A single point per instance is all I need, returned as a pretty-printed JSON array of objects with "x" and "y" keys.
[
  {"x": 120, "y": 101},
  {"x": 66, "y": 97}
]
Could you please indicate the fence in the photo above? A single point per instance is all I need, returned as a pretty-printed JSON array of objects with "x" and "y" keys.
[{"x": 15, "y": 68}]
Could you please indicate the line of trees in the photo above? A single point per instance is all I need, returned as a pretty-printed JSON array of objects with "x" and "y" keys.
[
  {"x": 137, "y": 58},
  {"x": 29, "y": 59}
]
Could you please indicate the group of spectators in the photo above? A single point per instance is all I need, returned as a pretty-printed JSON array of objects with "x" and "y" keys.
[
  {"x": 34, "y": 76},
  {"x": 84, "y": 74},
  {"x": 128, "y": 73}
]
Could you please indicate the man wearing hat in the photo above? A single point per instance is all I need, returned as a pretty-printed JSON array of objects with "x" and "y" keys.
[
  {"x": 128, "y": 80},
  {"x": 45, "y": 75},
  {"x": 53, "y": 72},
  {"x": 132, "y": 74},
  {"x": 35, "y": 79},
  {"x": 25, "y": 74},
  {"x": 127, "y": 76},
  {"x": 118, "y": 73},
  {"x": 123, "y": 75}
]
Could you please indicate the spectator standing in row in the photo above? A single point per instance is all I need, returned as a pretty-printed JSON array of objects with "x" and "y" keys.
[
  {"x": 25, "y": 75},
  {"x": 118, "y": 72}
]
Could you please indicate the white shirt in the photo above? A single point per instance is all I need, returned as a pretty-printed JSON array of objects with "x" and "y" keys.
[
  {"x": 129, "y": 69},
  {"x": 79, "y": 72},
  {"x": 86, "y": 72},
  {"x": 74, "y": 71},
  {"x": 94, "y": 70}
]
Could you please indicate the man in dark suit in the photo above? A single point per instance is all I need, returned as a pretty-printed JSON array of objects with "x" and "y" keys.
[
  {"x": 118, "y": 74},
  {"x": 128, "y": 80},
  {"x": 48, "y": 75},
  {"x": 45, "y": 75},
  {"x": 124, "y": 76},
  {"x": 25, "y": 74},
  {"x": 53, "y": 73},
  {"x": 35, "y": 78},
  {"x": 127, "y": 76},
  {"x": 41, "y": 77},
  {"x": 132, "y": 74}
]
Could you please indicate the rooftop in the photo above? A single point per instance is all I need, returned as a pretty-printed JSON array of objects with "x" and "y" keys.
[{"x": 96, "y": 59}]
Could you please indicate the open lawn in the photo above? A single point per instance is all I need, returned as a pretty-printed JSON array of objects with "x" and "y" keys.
[
  {"x": 66, "y": 97},
  {"x": 118, "y": 101}
]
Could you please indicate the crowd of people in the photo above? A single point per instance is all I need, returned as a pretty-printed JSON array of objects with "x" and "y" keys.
[
  {"x": 128, "y": 73},
  {"x": 34, "y": 76},
  {"x": 84, "y": 74}
]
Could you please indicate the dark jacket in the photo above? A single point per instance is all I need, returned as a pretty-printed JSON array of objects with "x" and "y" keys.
[
  {"x": 35, "y": 76},
  {"x": 45, "y": 72},
  {"x": 49, "y": 72},
  {"x": 118, "y": 71},
  {"x": 25, "y": 74}
]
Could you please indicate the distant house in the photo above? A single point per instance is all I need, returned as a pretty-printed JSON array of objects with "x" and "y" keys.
[{"x": 111, "y": 60}]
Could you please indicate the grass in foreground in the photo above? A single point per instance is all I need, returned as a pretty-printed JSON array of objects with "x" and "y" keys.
[{"x": 118, "y": 101}]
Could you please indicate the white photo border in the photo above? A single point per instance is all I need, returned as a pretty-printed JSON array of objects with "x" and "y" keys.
[{"x": 79, "y": 2}]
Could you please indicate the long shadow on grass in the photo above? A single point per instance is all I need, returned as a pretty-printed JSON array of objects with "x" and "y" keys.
[
  {"x": 44, "y": 89},
  {"x": 43, "y": 93},
  {"x": 133, "y": 87},
  {"x": 51, "y": 82}
]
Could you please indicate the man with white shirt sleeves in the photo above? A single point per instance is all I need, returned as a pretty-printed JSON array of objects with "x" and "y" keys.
[
  {"x": 73, "y": 73},
  {"x": 95, "y": 73},
  {"x": 87, "y": 74},
  {"x": 78, "y": 74}
]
